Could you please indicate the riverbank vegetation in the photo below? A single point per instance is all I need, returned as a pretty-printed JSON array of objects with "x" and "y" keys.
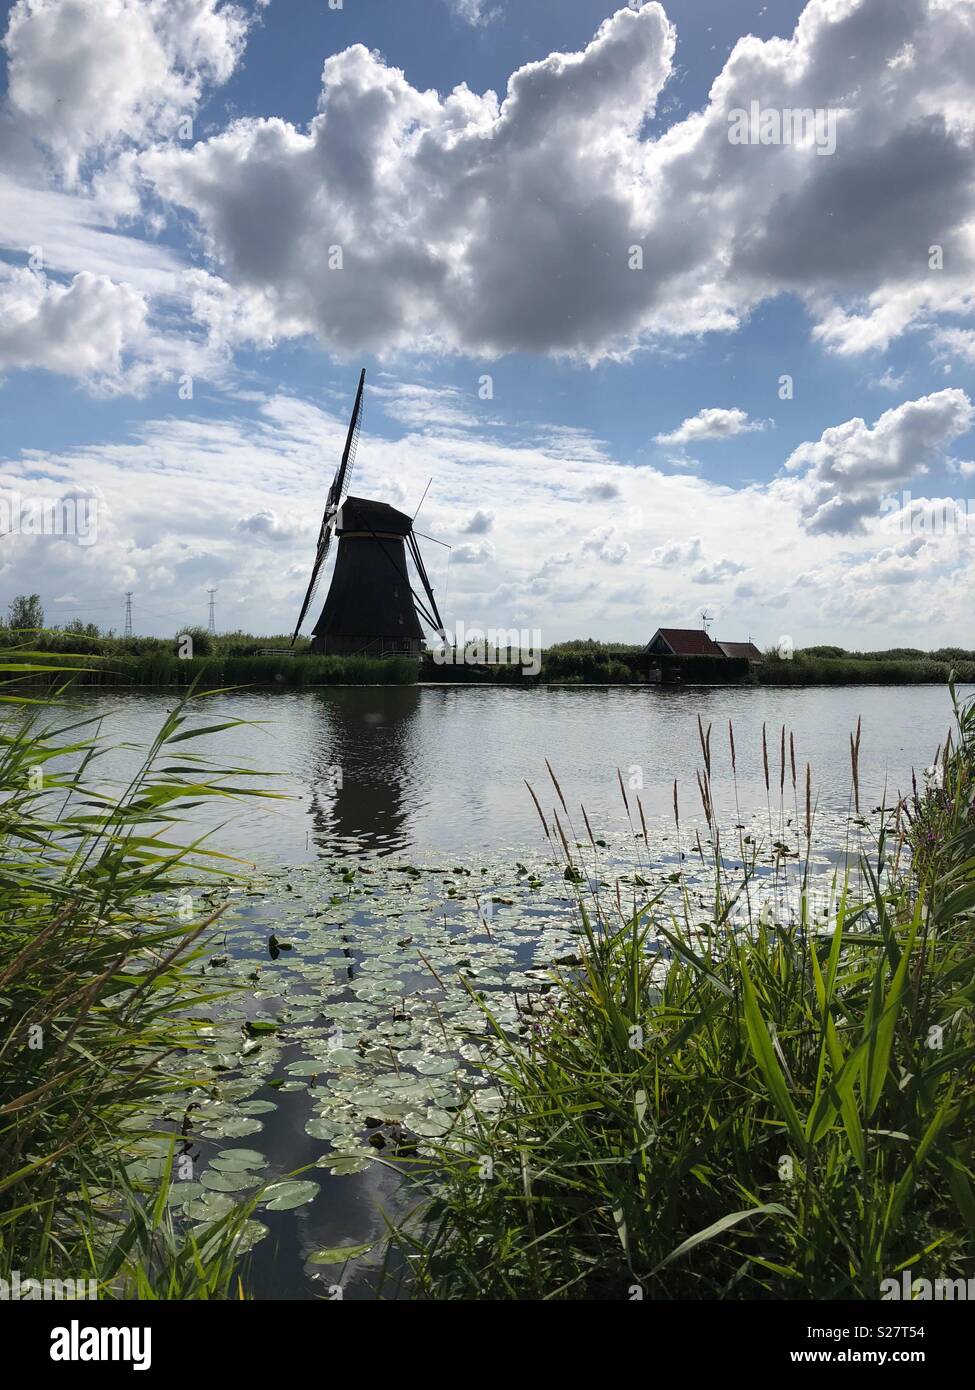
[
  {"x": 100, "y": 989},
  {"x": 748, "y": 1106},
  {"x": 819, "y": 666},
  {"x": 166, "y": 668},
  {"x": 239, "y": 658},
  {"x": 220, "y": 661}
]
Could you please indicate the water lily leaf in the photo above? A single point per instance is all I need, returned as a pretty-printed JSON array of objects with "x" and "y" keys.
[
  {"x": 435, "y": 1066},
  {"x": 343, "y": 1057},
  {"x": 232, "y": 1129},
  {"x": 222, "y": 1061},
  {"x": 343, "y": 1165},
  {"x": 338, "y": 1254},
  {"x": 237, "y": 1159},
  {"x": 210, "y": 1207},
  {"x": 232, "y": 1164},
  {"x": 226, "y": 1180},
  {"x": 182, "y": 1192},
  {"x": 247, "y": 1237},
  {"x": 283, "y": 1196},
  {"x": 320, "y": 1128}
]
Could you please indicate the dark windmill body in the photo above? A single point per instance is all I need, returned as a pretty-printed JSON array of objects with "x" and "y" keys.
[{"x": 371, "y": 608}]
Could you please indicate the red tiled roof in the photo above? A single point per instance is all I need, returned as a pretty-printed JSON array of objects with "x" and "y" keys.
[{"x": 688, "y": 641}]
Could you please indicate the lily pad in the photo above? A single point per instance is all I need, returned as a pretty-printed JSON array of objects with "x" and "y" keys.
[
  {"x": 338, "y": 1254},
  {"x": 232, "y": 1129},
  {"x": 210, "y": 1207},
  {"x": 220, "y": 1180},
  {"x": 343, "y": 1057},
  {"x": 344, "y": 1165},
  {"x": 284, "y": 1196},
  {"x": 320, "y": 1128},
  {"x": 182, "y": 1192},
  {"x": 239, "y": 1158}
]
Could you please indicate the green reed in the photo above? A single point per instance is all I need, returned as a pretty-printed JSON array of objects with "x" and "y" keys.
[
  {"x": 99, "y": 934},
  {"x": 161, "y": 666},
  {"x": 757, "y": 1108}
]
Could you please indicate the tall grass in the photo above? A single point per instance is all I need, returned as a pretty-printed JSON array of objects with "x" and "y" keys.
[
  {"x": 810, "y": 668},
  {"x": 161, "y": 666},
  {"x": 98, "y": 939},
  {"x": 748, "y": 1107}
]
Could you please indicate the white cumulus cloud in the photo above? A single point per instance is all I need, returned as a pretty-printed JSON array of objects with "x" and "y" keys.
[
  {"x": 712, "y": 423},
  {"x": 490, "y": 224},
  {"x": 842, "y": 476},
  {"x": 86, "y": 74}
]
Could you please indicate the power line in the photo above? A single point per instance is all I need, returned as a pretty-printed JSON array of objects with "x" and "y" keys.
[{"x": 82, "y": 607}]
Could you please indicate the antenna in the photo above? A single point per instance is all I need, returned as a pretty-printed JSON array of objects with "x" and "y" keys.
[
  {"x": 706, "y": 618},
  {"x": 128, "y": 613},
  {"x": 211, "y": 625}
]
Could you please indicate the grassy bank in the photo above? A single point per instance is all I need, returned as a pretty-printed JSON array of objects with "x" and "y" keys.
[
  {"x": 735, "y": 1107},
  {"x": 100, "y": 988},
  {"x": 243, "y": 659},
  {"x": 807, "y": 668},
  {"x": 164, "y": 668}
]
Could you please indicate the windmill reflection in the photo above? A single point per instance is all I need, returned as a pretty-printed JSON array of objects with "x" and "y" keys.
[{"x": 363, "y": 769}]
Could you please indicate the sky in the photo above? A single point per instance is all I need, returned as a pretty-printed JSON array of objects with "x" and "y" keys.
[{"x": 673, "y": 303}]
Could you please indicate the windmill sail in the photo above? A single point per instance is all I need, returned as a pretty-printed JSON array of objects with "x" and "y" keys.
[
  {"x": 347, "y": 465},
  {"x": 333, "y": 502}
]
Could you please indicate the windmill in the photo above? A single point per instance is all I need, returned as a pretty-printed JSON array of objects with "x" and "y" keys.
[{"x": 372, "y": 607}]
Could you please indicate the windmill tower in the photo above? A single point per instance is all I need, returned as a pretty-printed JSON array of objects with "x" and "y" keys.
[{"x": 372, "y": 607}]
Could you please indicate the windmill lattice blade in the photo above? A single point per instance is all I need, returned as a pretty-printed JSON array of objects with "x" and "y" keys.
[
  {"x": 351, "y": 443},
  {"x": 316, "y": 574},
  {"x": 333, "y": 502}
]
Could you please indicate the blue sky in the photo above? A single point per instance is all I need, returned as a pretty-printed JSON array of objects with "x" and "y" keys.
[{"x": 173, "y": 175}]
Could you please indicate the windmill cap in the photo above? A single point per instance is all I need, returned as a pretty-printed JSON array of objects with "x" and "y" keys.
[{"x": 360, "y": 514}]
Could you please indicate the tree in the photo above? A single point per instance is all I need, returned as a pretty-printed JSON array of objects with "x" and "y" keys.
[{"x": 26, "y": 611}]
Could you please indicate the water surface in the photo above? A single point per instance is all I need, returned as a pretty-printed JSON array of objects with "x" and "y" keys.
[{"x": 407, "y": 768}]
